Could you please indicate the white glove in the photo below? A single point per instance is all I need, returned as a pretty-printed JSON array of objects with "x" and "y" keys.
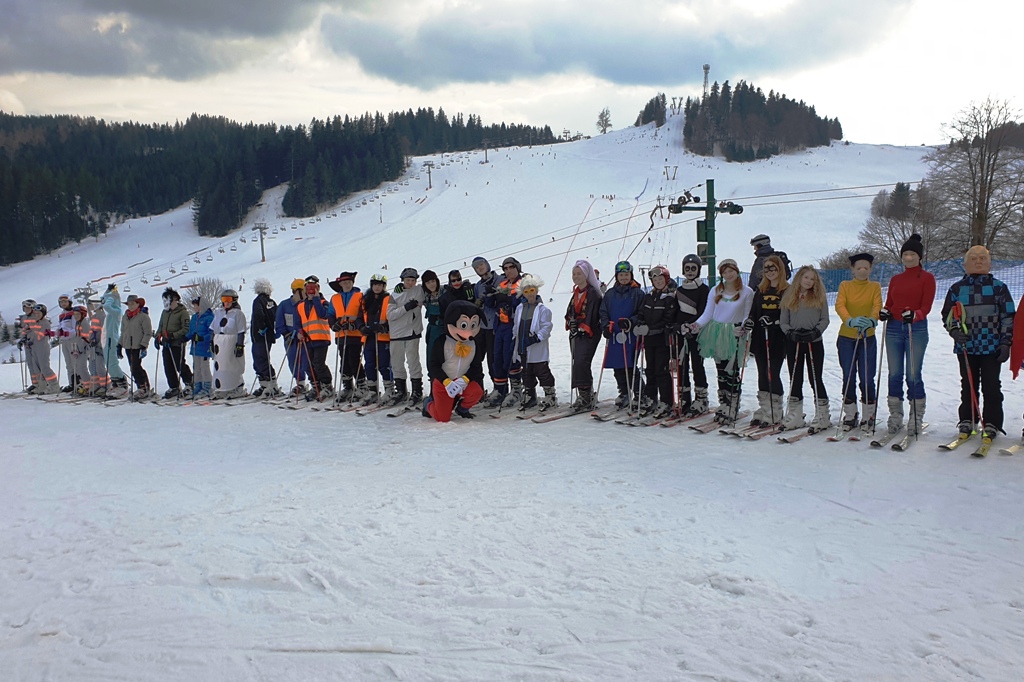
[
  {"x": 641, "y": 330},
  {"x": 455, "y": 387}
]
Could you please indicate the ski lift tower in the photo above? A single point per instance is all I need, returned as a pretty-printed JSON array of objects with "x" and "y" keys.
[
  {"x": 262, "y": 229},
  {"x": 706, "y": 227},
  {"x": 707, "y": 68}
]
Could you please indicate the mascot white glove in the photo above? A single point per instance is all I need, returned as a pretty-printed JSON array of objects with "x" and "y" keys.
[{"x": 455, "y": 387}]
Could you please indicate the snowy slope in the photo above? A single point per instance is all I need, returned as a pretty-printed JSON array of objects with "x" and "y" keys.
[{"x": 244, "y": 543}]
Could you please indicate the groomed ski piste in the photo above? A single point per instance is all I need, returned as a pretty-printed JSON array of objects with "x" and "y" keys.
[{"x": 146, "y": 543}]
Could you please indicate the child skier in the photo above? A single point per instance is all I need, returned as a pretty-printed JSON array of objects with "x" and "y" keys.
[
  {"x": 692, "y": 296},
  {"x": 531, "y": 332},
  {"x": 377, "y": 353},
  {"x": 136, "y": 331},
  {"x": 314, "y": 337},
  {"x": 655, "y": 323},
  {"x": 96, "y": 383},
  {"x": 405, "y": 321},
  {"x": 79, "y": 365},
  {"x": 171, "y": 334},
  {"x": 767, "y": 342},
  {"x": 35, "y": 339},
  {"x": 720, "y": 332},
  {"x": 979, "y": 313},
  {"x": 228, "y": 326},
  {"x": 619, "y": 308},
  {"x": 804, "y": 317},
  {"x": 200, "y": 333},
  {"x": 905, "y": 312},
  {"x": 288, "y": 326},
  {"x": 68, "y": 340},
  {"x": 858, "y": 304},
  {"x": 263, "y": 336},
  {"x": 583, "y": 322}
]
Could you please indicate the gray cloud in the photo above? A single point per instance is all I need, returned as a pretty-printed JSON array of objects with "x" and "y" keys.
[
  {"x": 626, "y": 43},
  {"x": 178, "y": 39}
]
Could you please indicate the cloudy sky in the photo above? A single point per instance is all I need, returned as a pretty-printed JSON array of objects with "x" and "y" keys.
[{"x": 893, "y": 71}]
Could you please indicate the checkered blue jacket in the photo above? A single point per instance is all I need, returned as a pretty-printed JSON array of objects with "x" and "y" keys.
[{"x": 988, "y": 313}]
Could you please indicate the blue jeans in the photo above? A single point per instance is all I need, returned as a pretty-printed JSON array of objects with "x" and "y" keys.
[
  {"x": 861, "y": 367},
  {"x": 897, "y": 354}
]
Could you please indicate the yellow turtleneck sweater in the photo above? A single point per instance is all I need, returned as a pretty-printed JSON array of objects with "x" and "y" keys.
[{"x": 858, "y": 299}]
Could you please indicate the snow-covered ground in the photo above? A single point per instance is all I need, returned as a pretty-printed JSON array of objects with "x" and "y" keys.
[{"x": 251, "y": 543}]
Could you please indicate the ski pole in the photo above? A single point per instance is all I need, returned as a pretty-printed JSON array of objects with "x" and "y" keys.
[
  {"x": 600, "y": 375},
  {"x": 628, "y": 371},
  {"x": 685, "y": 385},
  {"x": 849, "y": 378},
  {"x": 304, "y": 346},
  {"x": 338, "y": 362},
  {"x": 735, "y": 408},
  {"x": 878, "y": 379},
  {"x": 21, "y": 361},
  {"x": 156, "y": 376},
  {"x": 177, "y": 368},
  {"x": 910, "y": 376},
  {"x": 975, "y": 408}
]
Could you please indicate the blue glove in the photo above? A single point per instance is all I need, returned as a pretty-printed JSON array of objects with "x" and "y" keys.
[
  {"x": 143, "y": 353},
  {"x": 263, "y": 332}
]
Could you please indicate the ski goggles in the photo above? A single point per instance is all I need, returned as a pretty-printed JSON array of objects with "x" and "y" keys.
[
  {"x": 658, "y": 272},
  {"x": 623, "y": 266}
]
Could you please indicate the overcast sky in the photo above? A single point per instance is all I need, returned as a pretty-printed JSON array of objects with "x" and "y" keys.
[{"x": 893, "y": 71}]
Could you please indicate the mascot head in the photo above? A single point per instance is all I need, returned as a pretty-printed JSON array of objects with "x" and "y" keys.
[
  {"x": 978, "y": 261},
  {"x": 463, "y": 320}
]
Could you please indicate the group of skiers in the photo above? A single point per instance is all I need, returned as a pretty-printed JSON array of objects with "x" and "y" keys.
[{"x": 656, "y": 339}]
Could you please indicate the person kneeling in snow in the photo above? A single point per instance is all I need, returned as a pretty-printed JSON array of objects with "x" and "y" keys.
[{"x": 455, "y": 365}]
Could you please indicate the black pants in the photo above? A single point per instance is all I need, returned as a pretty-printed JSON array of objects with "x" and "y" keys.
[
  {"x": 985, "y": 375},
  {"x": 174, "y": 365},
  {"x": 773, "y": 349},
  {"x": 695, "y": 364},
  {"x": 351, "y": 349},
  {"x": 583, "y": 348},
  {"x": 139, "y": 375},
  {"x": 622, "y": 381},
  {"x": 659, "y": 379},
  {"x": 319, "y": 372},
  {"x": 485, "y": 340},
  {"x": 796, "y": 354},
  {"x": 538, "y": 372},
  {"x": 728, "y": 375}
]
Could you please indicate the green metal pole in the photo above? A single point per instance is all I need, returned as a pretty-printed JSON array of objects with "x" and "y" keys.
[{"x": 709, "y": 221}]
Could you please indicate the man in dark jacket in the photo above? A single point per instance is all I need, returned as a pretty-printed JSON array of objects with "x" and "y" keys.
[
  {"x": 172, "y": 333},
  {"x": 262, "y": 334},
  {"x": 762, "y": 244}
]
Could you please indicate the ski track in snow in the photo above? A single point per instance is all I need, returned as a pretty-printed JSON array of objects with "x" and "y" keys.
[{"x": 249, "y": 543}]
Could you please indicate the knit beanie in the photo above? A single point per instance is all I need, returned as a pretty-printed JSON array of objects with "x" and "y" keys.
[{"x": 913, "y": 244}]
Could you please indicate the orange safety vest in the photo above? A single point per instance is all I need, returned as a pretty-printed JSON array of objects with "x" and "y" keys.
[
  {"x": 349, "y": 314},
  {"x": 505, "y": 314},
  {"x": 383, "y": 317},
  {"x": 315, "y": 327}
]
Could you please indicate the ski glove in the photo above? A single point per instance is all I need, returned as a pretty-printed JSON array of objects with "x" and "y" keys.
[
  {"x": 609, "y": 330},
  {"x": 239, "y": 350},
  {"x": 861, "y": 324},
  {"x": 801, "y": 336},
  {"x": 156, "y": 342},
  {"x": 143, "y": 353},
  {"x": 120, "y": 352},
  {"x": 1003, "y": 354},
  {"x": 907, "y": 317},
  {"x": 411, "y": 303},
  {"x": 641, "y": 330},
  {"x": 574, "y": 327},
  {"x": 625, "y": 324},
  {"x": 884, "y": 315},
  {"x": 21, "y": 344},
  {"x": 767, "y": 321},
  {"x": 960, "y": 337},
  {"x": 740, "y": 330},
  {"x": 531, "y": 339},
  {"x": 337, "y": 326},
  {"x": 748, "y": 324}
]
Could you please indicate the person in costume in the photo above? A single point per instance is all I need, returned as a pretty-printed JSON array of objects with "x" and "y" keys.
[
  {"x": 455, "y": 367},
  {"x": 229, "y": 326},
  {"x": 200, "y": 334},
  {"x": 136, "y": 331},
  {"x": 110, "y": 343},
  {"x": 171, "y": 334},
  {"x": 583, "y": 322}
]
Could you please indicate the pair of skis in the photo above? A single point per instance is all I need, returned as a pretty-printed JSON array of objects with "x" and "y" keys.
[{"x": 901, "y": 445}]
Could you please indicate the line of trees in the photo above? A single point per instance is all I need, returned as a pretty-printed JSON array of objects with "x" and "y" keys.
[
  {"x": 655, "y": 110},
  {"x": 743, "y": 124},
  {"x": 973, "y": 194},
  {"x": 64, "y": 178}
]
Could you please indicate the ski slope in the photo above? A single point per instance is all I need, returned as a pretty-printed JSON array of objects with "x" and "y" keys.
[{"x": 250, "y": 543}]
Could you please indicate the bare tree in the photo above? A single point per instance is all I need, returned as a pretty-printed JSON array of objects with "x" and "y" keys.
[
  {"x": 604, "y": 121},
  {"x": 207, "y": 288},
  {"x": 980, "y": 174}
]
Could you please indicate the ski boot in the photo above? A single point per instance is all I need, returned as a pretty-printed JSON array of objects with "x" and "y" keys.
[
  {"x": 895, "y": 423},
  {"x": 822, "y": 418},
  {"x": 850, "y": 417},
  {"x": 550, "y": 399},
  {"x": 416, "y": 394},
  {"x": 529, "y": 399},
  {"x": 760, "y": 416},
  {"x": 700, "y": 402},
  {"x": 794, "y": 418}
]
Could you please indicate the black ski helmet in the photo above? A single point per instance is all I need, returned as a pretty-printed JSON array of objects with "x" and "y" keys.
[{"x": 694, "y": 259}]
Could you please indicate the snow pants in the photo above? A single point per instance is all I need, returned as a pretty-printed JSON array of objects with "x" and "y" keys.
[
  {"x": 985, "y": 375},
  {"x": 68, "y": 345},
  {"x": 442, "y": 405},
  {"x": 504, "y": 349},
  {"x": 174, "y": 365},
  {"x": 37, "y": 359},
  {"x": 315, "y": 353},
  {"x": 538, "y": 372},
  {"x": 659, "y": 379},
  {"x": 97, "y": 368},
  {"x": 406, "y": 351},
  {"x": 139, "y": 375},
  {"x": 351, "y": 350},
  {"x": 201, "y": 373},
  {"x": 377, "y": 357},
  {"x": 78, "y": 362},
  {"x": 110, "y": 360},
  {"x": 261, "y": 359}
]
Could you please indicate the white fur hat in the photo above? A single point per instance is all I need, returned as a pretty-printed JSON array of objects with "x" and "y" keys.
[
  {"x": 530, "y": 282},
  {"x": 262, "y": 286}
]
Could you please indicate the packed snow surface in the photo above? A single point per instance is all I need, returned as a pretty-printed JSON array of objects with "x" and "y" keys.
[{"x": 142, "y": 542}]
